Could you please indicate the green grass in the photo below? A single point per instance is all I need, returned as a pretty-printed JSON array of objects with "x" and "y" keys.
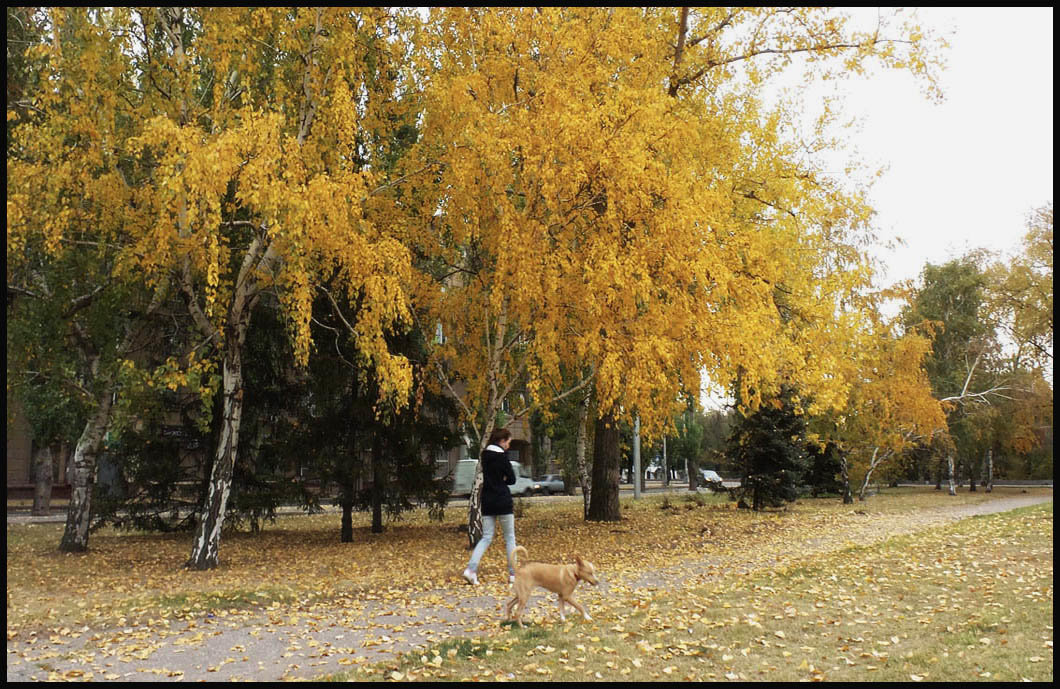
[{"x": 196, "y": 604}]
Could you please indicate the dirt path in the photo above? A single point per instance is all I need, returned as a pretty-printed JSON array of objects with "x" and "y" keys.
[{"x": 289, "y": 643}]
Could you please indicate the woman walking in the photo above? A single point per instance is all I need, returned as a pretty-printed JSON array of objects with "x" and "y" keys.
[{"x": 497, "y": 475}]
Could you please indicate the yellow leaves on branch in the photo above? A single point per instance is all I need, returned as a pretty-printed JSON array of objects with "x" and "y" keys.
[{"x": 565, "y": 176}]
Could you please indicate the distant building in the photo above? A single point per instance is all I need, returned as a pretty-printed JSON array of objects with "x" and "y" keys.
[{"x": 20, "y": 449}]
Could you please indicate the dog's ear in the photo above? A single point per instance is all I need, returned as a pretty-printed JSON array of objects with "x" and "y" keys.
[{"x": 578, "y": 558}]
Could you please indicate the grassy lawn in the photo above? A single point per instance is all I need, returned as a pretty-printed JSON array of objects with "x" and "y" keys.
[
  {"x": 967, "y": 601},
  {"x": 971, "y": 601}
]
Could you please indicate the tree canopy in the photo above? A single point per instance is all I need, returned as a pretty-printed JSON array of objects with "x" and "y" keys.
[{"x": 575, "y": 201}]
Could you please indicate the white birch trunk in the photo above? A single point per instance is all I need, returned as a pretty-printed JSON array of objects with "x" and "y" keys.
[
  {"x": 877, "y": 460},
  {"x": 204, "y": 553},
  {"x": 474, "y": 501},
  {"x": 474, "y": 506},
  {"x": 950, "y": 469},
  {"x": 579, "y": 451},
  {"x": 83, "y": 476},
  {"x": 82, "y": 471}
]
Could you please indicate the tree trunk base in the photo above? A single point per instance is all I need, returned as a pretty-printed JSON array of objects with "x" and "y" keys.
[
  {"x": 42, "y": 475},
  {"x": 603, "y": 500},
  {"x": 346, "y": 535}
]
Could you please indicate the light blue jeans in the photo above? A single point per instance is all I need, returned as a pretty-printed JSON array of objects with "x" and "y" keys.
[{"x": 489, "y": 528}]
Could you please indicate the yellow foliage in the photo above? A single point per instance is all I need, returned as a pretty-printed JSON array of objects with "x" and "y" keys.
[
  {"x": 593, "y": 189},
  {"x": 890, "y": 406},
  {"x": 584, "y": 216},
  {"x": 219, "y": 143}
]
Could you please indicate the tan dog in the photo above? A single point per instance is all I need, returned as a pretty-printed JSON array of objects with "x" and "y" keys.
[{"x": 560, "y": 579}]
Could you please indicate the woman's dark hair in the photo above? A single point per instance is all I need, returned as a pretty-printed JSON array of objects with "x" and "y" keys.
[{"x": 498, "y": 435}]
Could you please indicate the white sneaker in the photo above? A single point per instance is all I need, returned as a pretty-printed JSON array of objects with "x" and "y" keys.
[
  {"x": 470, "y": 577},
  {"x": 511, "y": 579}
]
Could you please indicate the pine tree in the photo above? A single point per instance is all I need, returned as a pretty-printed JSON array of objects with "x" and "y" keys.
[
  {"x": 769, "y": 447},
  {"x": 823, "y": 467}
]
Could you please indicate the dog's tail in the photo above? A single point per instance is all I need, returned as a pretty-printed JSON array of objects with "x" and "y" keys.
[{"x": 515, "y": 555}]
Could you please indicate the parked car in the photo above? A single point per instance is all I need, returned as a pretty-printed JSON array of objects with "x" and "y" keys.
[
  {"x": 464, "y": 478},
  {"x": 549, "y": 484},
  {"x": 712, "y": 480},
  {"x": 524, "y": 485}
]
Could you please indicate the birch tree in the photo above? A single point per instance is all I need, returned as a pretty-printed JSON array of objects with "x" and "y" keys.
[
  {"x": 891, "y": 406},
  {"x": 77, "y": 310},
  {"x": 611, "y": 200},
  {"x": 1020, "y": 292},
  {"x": 240, "y": 143},
  {"x": 951, "y": 307},
  {"x": 275, "y": 187}
]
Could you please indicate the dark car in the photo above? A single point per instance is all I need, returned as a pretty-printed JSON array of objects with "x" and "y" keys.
[{"x": 549, "y": 484}]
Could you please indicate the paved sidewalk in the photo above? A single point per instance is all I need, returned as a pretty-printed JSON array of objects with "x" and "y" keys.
[{"x": 289, "y": 642}]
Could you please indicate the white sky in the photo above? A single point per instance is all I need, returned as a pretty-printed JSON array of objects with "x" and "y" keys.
[{"x": 965, "y": 173}]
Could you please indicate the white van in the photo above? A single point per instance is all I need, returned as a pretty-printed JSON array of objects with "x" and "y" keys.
[
  {"x": 524, "y": 483},
  {"x": 464, "y": 478}
]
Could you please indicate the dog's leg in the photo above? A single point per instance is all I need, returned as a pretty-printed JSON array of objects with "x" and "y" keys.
[
  {"x": 562, "y": 611},
  {"x": 520, "y": 608},
  {"x": 510, "y": 608},
  {"x": 579, "y": 608}
]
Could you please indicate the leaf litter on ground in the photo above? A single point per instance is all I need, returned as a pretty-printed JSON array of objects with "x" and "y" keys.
[{"x": 131, "y": 594}]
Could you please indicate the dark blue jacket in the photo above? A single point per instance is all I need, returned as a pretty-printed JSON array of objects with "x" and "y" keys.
[{"x": 497, "y": 475}]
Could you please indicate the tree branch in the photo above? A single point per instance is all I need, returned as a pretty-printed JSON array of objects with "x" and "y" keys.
[
  {"x": 982, "y": 396},
  {"x": 682, "y": 33},
  {"x": 556, "y": 398},
  {"x": 82, "y": 302},
  {"x": 711, "y": 64},
  {"x": 22, "y": 290},
  {"x": 201, "y": 321},
  {"x": 338, "y": 311},
  {"x": 463, "y": 405}
]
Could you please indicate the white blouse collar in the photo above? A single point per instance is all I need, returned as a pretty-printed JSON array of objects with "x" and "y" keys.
[{"x": 494, "y": 448}]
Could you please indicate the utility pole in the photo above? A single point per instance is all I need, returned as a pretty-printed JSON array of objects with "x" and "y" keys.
[
  {"x": 636, "y": 458},
  {"x": 666, "y": 466}
]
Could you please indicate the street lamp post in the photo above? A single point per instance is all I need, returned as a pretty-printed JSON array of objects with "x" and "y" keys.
[{"x": 636, "y": 458}]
